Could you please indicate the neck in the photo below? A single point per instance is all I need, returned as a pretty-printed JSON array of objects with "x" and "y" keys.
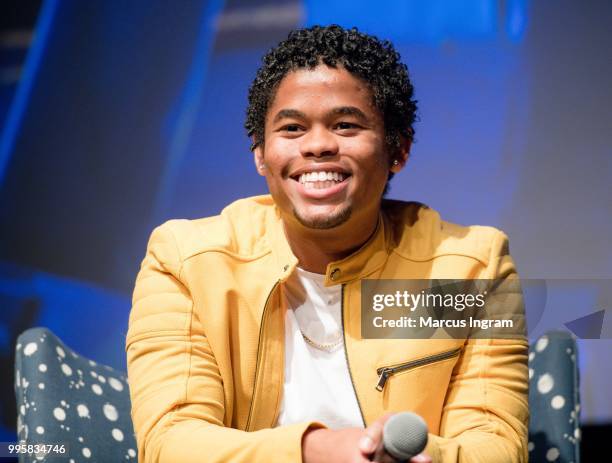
[{"x": 315, "y": 249}]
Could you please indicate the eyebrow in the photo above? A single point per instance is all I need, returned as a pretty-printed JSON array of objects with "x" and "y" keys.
[
  {"x": 288, "y": 114},
  {"x": 341, "y": 110},
  {"x": 350, "y": 111}
]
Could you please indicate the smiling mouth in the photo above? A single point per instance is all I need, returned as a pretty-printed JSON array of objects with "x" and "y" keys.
[{"x": 320, "y": 180}]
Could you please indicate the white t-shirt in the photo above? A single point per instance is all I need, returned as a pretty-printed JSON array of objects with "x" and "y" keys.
[{"x": 317, "y": 384}]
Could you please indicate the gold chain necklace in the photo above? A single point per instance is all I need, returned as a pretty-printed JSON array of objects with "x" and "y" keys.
[{"x": 328, "y": 347}]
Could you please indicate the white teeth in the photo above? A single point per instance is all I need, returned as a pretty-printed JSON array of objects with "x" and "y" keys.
[
  {"x": 313, "y": 177},
  {"x": 319, "y": 185}
]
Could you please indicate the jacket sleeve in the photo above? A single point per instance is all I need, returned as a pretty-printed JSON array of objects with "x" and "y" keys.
[
  {"x": 175, "y": 385},
  {"x": 486, "y": 413}
]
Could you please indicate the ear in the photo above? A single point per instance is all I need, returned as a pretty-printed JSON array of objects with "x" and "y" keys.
[
  {"x": 402, "y": 155},
  {"x": 258, "y": 158}
]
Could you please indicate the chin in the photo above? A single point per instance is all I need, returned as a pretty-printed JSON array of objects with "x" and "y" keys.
[{"x": 323, "y": 221}]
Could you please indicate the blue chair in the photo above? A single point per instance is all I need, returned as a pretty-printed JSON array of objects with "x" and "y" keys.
[
  {"x": 554, "y": 402},
  {"x": 65, "y": 398}
]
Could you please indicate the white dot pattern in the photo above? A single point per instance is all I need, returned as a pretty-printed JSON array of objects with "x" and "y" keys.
[
  {"x": 545, "y": 383},
  {"x": 553, "y": 400},
  {"x": 557, "y": 402},
  {"x": 59, "y": 414},
  {"x": 541, "y": 344},
  {"x": 88, "y": 411},
  {"x": 115, "y": 384},
  {"x": 110, "y": 412},
  {"x": 30, "y": 349},
  {"x": 552, "y": 454},
  {"x": 117, "y": 434},
  {"x": 83, "y": 411}
]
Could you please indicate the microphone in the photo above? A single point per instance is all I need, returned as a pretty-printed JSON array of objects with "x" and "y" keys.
[{"x": 404, "y": 435}]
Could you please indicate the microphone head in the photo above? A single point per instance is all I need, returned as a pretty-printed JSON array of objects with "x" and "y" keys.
[{"x": 405, "y": 435}]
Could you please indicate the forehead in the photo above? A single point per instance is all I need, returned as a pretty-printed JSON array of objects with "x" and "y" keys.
[{"x": 321, "y": 88}]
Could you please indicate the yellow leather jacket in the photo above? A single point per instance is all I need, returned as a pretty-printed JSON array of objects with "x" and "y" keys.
[{"x": 206, "y": 340}]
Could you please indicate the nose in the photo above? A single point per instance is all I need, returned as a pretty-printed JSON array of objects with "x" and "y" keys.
[{"x": 319, "y": 141}]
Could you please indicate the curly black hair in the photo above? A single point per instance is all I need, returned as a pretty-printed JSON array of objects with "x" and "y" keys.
[{"x": 374, "y": 61}]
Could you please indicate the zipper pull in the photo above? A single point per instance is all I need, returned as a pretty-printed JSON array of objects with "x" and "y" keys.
[{"x": 382, "y": 379}]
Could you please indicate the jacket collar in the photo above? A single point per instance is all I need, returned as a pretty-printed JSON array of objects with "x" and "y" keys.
[{"x": 366, "y": 260}]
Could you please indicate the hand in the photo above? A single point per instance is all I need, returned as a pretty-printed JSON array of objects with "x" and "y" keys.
[
  {"x": 333, "y": 445},
  {"x": 350, "y": 445},
  {"x": 371, "y": 445}
]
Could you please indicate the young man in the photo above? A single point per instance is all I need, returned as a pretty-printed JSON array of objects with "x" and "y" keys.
[{"x": 245, "y": 338}]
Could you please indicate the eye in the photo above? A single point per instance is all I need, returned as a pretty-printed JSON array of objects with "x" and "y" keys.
[
  {"x": 347, "y": 126},
  {"x": 292, "y": 128}
]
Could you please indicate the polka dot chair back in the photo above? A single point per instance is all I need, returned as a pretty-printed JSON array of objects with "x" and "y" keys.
[
  {"x": 554, "y": 405},
  {"x": 68, "y": 399}
]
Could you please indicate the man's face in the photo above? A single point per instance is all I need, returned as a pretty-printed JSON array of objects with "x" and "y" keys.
[{"x": 324, "y": 157}]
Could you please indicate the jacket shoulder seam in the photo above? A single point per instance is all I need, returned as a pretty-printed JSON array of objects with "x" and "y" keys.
[
  {"x": 233, "y": 255},
  {"x": 440, "y": 254},
  {"x": 212, "y": 248}
]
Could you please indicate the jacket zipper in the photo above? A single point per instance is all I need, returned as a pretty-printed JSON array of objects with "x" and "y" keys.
[
  {"x": 258, "y": 362},
  {"x": 348, "y": 365},
  {"x": 385, "y": 372}
]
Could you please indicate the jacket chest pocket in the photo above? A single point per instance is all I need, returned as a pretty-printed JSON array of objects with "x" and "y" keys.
[{"x": 386, "y": 372}]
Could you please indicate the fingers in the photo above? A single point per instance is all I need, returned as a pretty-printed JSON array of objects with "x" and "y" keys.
[
  {"x": 421, "y": 458},
  {"x": 370, "y": 439},
  {"x": 384, "y": 457},
  {"x": 373, "y": 435}
]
